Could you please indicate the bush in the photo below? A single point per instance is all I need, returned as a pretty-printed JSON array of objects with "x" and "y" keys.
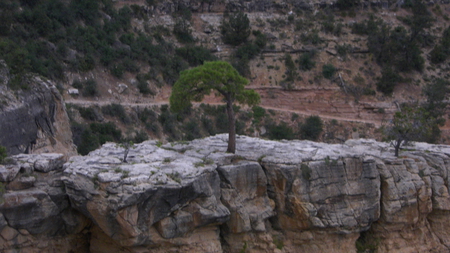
[
  {"x": 306, "y": 61},
  {"x": 291, "y": 73},
  {"x": 208, "y": 125},
  {"x": 192, "y": 130},
  {"x": 117, "y": 70},
  {"x": 90, "y": 88},
  {"x": 280, "y": 132},
  {"x": 258, "y": 112},
  {"x": 3, "y": 154},
  {"x": 87, "y": 113},
  {"x": 328, "y": 71},
  {"x": 260, "y": 39},
  {"x": 94, "y": 135},
  {"x": 438, "y": 55},
  {"x": 388, "y": 81},
  {"x": 312, "y": 128},
  {"x": 147, "y": 115},
  {"x": 116, "y": 110},
  {"x": 140, "y": 136},
  {"x": 235, "y": 29},
  {"x": 306, "y": 171},
  {"x": 183, "y": 32},
  {"x": 89, "y": 142},
  {"x": 195, "y": 55},
  {"x": 347, "y": 4}
]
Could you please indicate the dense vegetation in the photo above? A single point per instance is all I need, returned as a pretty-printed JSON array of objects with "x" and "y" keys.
[{"x": 53, "y": 37}]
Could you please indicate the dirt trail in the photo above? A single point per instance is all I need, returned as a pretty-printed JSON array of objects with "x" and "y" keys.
[{"x": 85, "y": 103}]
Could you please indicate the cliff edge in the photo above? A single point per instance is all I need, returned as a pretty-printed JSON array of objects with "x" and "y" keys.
[{"x": 272, "y": 196}]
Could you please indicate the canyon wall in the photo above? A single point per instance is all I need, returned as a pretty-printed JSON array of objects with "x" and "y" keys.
[
  {"x": 271, "y": 196},
  {"x": 33, "y": 117}
]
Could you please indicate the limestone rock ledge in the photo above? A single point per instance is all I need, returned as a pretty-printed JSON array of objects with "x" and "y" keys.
[{"x": 271, "y": 196}]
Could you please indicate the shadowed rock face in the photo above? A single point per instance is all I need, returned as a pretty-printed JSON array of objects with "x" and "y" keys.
[
  {"x": 33, "y": 120},
  {"x": 287, "y": 196}
]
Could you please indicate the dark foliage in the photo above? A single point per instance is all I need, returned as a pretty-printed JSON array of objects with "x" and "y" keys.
[
  {"x": 195, "y": 55},
  {"x": 235, "y": 29},
  {"x": 312, "y": 128},
  {"x": 281, "y": 132}
]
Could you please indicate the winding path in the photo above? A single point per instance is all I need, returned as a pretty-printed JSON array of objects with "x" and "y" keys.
[{"x": 86, "y": 103}]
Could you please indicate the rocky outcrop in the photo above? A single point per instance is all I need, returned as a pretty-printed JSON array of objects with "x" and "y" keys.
[
  {"x": 33, "y": 120},
  {"x": 271, "y": 196},
  {"x": 35, "y": 211}
]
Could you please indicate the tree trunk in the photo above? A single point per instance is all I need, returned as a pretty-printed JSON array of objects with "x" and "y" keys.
[
  {"x": 397, "y": 147},
  {"x": 231, "y": 127}
]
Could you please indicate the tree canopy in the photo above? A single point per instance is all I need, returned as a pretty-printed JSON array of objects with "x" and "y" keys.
[
  {"x": 217, "y": 76},
  {"x": 410, "y": 124}
]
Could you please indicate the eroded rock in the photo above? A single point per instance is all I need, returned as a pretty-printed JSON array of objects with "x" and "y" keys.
[{"x": 271, "y": 196}]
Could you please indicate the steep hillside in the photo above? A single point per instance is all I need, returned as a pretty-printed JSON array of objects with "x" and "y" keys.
[{"x": 352, "y": 63}]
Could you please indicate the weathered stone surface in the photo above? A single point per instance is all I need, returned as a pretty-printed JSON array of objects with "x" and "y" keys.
[
  {"x": 244, "y": 193},
  {"x": 21, "y": 183},
  {"x": 162, "y": 188},
  {"x": 40, "y": 162},
  {"x": 35, "y": 213},
  {"x": 271, "y": 196},
  {"x": 35, "y": 119},
  {"x": 8, "y": 172}
]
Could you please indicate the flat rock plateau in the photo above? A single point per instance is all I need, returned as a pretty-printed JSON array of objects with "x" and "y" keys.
[{"x": 271, "y": 196}]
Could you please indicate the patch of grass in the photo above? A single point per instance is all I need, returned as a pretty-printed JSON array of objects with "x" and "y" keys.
[{"x": 306, "y": 171}]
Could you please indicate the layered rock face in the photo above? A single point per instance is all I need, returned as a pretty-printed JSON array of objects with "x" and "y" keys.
[
  {"x": 34, "y": 120},
  {"x": 35, "y": 211},
  {"x": 286, "y": 196}
]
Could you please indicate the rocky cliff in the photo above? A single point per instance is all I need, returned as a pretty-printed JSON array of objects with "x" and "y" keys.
[
  {"x": 34, "y": 118},
  {"x": 286, "y": 196}
]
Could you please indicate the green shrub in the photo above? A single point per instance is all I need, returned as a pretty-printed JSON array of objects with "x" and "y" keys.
[
  {"x": 3, "y": 154},
  {"x": 143, "y": 88},
  {"x": 291, "y": 73},
  {"x": 328, "y": 71},
  {"x": 388, "y": 81},
  {"x": 306, "y": 61},
  {"x": 116, "y": 110},
  {"x": 260, "y": 39},
  {"x": 306, "y": 171},
  {"x": 312, "y": 128},
  {"x": 169, "y": 123},
  {"x": 438, "y": 55},
  {"x": 208, "y": 125},
  {"x": 222, "y": 121},
  {"x": 87, "y": 113},
  {"x": 117, "y": 70},
  {"x": 192, "y": 130},
  {"x": 183, "y": 32},
  {"x": 347, "y": 4},
  {"x": 171, "y": 68},
  {"x": 89, "y": 142},
  {"x": 280, "y": 132},
  {"x": 248, "y": 51},
  {"x": 235, "y": 29},
  {"x": 311, "y": 38},
  {"x": 90, "y": 88},
  {"x": 147, "y": 115},
  {"x": 258, "y": 112},
  {"x": 195, "y": 55},
  {"x": 140, "y": 136},
  {"x": 94, "y": 135},
  {"x": 367, "y": 243}
]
